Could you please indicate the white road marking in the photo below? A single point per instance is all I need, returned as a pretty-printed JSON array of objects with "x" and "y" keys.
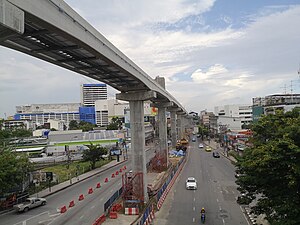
[
  {"x": 24, "y": 221},
  {"x": 194, "y": 199},
  {"x": 43, "y": 221},
  {"x": 217, "y": 200},
  {"x": 54, "y": 215},
  {"x": 223, "y": 220},
  {"x": 101, "y": 199},
  {"x": 194, "y": 208},
  {"x": 220, "y": 208},
  {"x": 92, "y": 207},
  {"x": 193, "y": 220},
  {"x": 81, "y": 217}
]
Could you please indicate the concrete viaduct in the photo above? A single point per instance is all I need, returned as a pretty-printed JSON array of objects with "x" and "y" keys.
[{"x": 52, "y": 31}]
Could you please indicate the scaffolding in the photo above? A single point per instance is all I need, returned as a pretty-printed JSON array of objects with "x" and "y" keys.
[{"x": 133, "y": 195}]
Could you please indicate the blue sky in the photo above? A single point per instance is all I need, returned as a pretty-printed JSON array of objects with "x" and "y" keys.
[{"x": 211, "y": 52}]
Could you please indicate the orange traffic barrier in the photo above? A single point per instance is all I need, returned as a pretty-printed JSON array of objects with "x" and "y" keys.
[
  {"x": 72, "y": 203},
  {"x": 106, "y": 180},
  {"x": 90, "y": 190},
  {"x": 98, "y": 185},
  {"x": 81, "y": 197},
  {"x": 113, "y": 215},
  {"x": 102, "y": 218},
  {"x": 118, "y": 207},
  {"x": 113, "y": 175},
  {"x": 63, "y": 209},
  {"x": 121, "y": 170}
]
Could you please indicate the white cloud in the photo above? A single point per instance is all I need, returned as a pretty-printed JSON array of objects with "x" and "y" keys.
[{"x": 202, "y": 69}]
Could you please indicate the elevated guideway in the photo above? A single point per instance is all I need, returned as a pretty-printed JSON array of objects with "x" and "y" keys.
[{"x": 52, "y": 31}]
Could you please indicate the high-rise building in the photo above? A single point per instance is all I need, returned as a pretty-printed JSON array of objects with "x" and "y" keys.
[{"x": 91, "y": 93}]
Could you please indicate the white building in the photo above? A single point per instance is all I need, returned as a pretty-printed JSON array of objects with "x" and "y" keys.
[
  {"x": 109, "y": 108},
  {"x": 39, "y": 114},
  {"x": 91, "y": 93},
  {"x": 241, "y": 112}
]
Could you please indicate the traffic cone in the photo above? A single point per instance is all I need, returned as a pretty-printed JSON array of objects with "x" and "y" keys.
[
  {"x": 81, "y": 197},
  {"x": 106, "y": 180},
  {"x": 72, "y": 203},
  {"x": 121, "y": 170},
  {"x": 117, "y": 172},
  {"x": 113, "y": 175},
  {"x": 124, "y": 167},
  {"x": 90, "y": 190},
  {"x": 63, "y": 209},
  {"x": 98, "y": 185}
]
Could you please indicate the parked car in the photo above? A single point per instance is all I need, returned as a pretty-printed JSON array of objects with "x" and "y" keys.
[
  {"x": 193, "y": 139},
  {"x": 191, "y": 183},
  {"x": 30, "y": 203},
  {"x": 216, "y": 154},
  {"x": 201, "y": 145},
  {"x": 208, "y": 149}
]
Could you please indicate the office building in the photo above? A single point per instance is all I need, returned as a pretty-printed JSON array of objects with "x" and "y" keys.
[{"x": 91, "y": 93}]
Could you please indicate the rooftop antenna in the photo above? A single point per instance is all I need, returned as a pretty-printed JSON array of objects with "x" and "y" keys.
[{"x": 284, "y": 89}]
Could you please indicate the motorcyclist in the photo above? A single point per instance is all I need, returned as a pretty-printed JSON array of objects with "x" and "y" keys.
[{"x": 202, "y": 210}]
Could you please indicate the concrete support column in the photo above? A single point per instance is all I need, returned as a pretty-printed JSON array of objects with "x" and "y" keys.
[
  {"x": 173, "y": 128},
  {"x": 137, "y": 127},
  {"x": 179, "y": 126},
  {"x": 162, "y": 127}
]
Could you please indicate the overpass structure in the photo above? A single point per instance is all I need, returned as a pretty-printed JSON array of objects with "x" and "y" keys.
[{"x": 52, "y": 31}]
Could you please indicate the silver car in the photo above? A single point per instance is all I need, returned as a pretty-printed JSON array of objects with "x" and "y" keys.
[{"x": 29, "y": 204}]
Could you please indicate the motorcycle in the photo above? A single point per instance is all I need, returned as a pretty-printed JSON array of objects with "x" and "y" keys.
[{"x": 203, "y": 217}]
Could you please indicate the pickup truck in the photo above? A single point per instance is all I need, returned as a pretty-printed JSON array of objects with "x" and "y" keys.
[{"x": 29, "y": 204}]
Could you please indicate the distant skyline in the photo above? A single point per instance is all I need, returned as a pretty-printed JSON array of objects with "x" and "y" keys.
[{"x": 211, "y": 52}]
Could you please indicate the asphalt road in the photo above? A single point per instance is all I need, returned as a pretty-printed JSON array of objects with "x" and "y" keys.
[
  {"x": 216, "y": 192},
  {"x": 84, "y": 212}
]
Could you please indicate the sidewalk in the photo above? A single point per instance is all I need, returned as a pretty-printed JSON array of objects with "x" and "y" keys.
[{"x": 74, "y": 180}]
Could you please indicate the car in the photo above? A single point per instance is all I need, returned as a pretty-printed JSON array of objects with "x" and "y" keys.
[
  {"x": 191, "y": 183},
  {"x": 30, "y": 203},
  {"x": 216, "y": 154},
  {"x": 194, "y": 140},
  {"x": 201, "y": 145},
  {"x": 208, "y": 149},
  {"x": 237, "y": 175}
]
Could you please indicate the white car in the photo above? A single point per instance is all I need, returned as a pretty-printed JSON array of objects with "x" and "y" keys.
[
  {"x": 191, "y": 183},
  {"x": 201, "y": 145},
  {"x": 29, "y": 204}
]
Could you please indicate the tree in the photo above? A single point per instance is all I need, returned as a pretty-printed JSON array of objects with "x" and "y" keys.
[
  {"x": 73, "y": 125},
  {"x": 271, "y": 168},
  {"x": 115, "y": 124},
  {"x": 86, "y": 126},
  {"x": 94, "y": 153},
  {"x": 14, "y": 170}
]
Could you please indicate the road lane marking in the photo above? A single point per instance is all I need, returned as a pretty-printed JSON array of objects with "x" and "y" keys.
[
  {"x": 92, "y": 207},
  {"x": 194, "y": 199},
  {"x": 81, "y": 217},
  {"x": 24, "y": 221},
  {"x": 223, "y": 220},
  {"x": 194, "y": 208},
  {"x": 193, "y": 220},
  {"x": 217, "y": 200}
]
